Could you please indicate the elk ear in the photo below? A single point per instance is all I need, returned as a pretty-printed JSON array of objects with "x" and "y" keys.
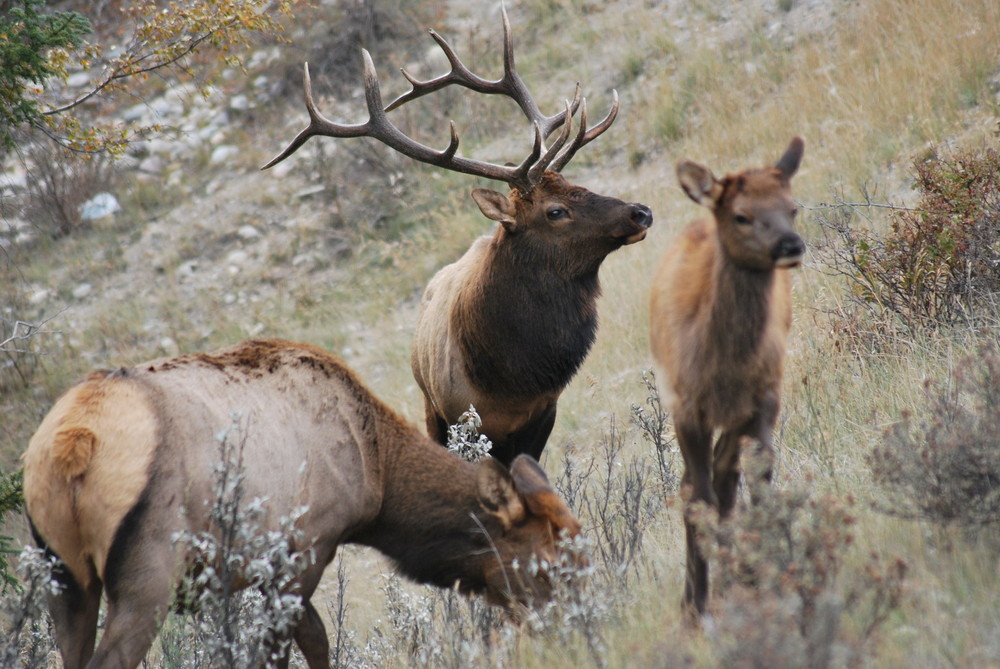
[
  {"x": 788, "y": 164},
  {"x": 699, "y": 183},
  {"x": 496, "y": 207},
  {"x": 531, "y": 482},
  {"x": 497, "y": 493}
]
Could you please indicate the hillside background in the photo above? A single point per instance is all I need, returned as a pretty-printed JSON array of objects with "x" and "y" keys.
[{"x": 335, "y": 245}]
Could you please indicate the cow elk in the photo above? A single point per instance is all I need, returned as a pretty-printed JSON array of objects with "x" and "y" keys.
[
  {"x": 720, "y": 310},
  {"x": 506, "y": 327},
  {"x": 124, "y": 462}
]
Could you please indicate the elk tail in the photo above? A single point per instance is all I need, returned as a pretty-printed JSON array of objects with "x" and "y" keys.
[{"x": 73, "y": 448}]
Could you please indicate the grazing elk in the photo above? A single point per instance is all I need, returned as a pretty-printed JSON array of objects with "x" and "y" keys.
[
  {"x": 506, "y": 327},
  {"x": 124, "y": 461},
  {"x": 720, "y": 310}
]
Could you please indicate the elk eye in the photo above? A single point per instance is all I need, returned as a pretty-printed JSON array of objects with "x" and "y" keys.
[
  {"x": 555, "y": 213},
  {"x": 741, "y": 219}
]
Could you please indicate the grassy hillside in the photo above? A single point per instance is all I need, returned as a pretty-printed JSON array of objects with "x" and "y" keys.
[{"x": 871, "y": 85}]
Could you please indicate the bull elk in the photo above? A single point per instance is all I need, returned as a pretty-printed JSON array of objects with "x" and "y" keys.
[
  {"x": 124, "y": 461},
  {"x": 506, "y": 327},
  {"x": 720, "y": 310}
]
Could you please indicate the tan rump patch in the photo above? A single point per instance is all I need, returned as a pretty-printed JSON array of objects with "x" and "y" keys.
[{"x": 86, "y": 467}]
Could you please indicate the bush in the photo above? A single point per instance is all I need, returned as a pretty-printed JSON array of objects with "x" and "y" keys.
[
  {"x": 939, "y": 263},
  {"x": 781, "y": 566},
  {"x": 946, "y": 468},
  {"x": 11, "y": 501},
  {"x": 229, "y": 627},
  {"x": 60, "y": 185},
  {"x": 24, "y": 622}
]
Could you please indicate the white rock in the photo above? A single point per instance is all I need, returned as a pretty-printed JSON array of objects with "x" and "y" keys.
[
  {"x": 78, "y": 80},
  {"x": 239, "y": 103},
  {"x": 82, "y": 291},
  {"x": 135, "y": 112},
  {"x": 182, "y": 95},
  {"x": 248, "y": 232},
  {"x": 99, "y": 206},
  {"x": 162, "y": 108},
  {"x": 169, "y": 346},
  {"x": 224, "y": 154},
  {"x": 151, "y": 165},
  {"x": 39, "y": 296},
  {"x": 15, "y": 179}
]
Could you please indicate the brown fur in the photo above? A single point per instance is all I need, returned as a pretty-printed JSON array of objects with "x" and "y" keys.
[
  {"x": 720, "y": 311},
  {"x": 506, "y": 327},
  {"x": 124, "y": 461}
]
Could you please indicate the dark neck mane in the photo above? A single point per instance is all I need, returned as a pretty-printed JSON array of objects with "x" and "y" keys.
[{"x": 526, "y": 325}]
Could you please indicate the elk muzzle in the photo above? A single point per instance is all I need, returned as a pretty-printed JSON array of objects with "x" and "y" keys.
[
  {"x": 640, "y": 218},
  {"x": 789, "y": 250}
]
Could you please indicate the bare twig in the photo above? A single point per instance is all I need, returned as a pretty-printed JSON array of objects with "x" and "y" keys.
[{"x": 23, "y": 331}]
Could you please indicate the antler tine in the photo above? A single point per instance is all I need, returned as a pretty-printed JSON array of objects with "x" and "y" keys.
[
  {"x": 378, "y": 127},
  {"x": 318, "y": 124},
  {"x": 510, "y": 84},
  {"x": 518, "y": 91},
  {"x": 585, "y": 136},
  {"x": 520, "y": 177},
  {"x": 539, "y": 167},
  {"x": 459, "y": 74}
]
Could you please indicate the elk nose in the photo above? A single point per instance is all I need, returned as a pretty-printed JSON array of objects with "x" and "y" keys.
[
  {"x": 789, "y": 250},
  {"x": 641, "y": 215}
]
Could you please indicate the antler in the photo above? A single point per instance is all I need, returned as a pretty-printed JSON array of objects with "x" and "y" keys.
[
  {"x": 510, "y": 84},
  {"x": 522, "y": 176}
]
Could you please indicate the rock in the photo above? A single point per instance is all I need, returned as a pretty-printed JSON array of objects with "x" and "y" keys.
[
  {"x": 309, "y": 191},
  {"x": 82, "y": 291},
  {"x": 224, "y": 154},
  {"x": 169, "y": 346},
  {"x": 39, "y": 296},
  {"x": 248, "y": 232},
  {"x": 151, "y": 165},
  {"x": 239, "y": 103},
  {"x": 13, "y": 180},
  {"x": 78, "y": 80},
  {"x": 99, "y": 206}
]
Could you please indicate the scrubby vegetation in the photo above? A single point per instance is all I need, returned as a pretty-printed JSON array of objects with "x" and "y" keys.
[
  {"x": 876, "y": 546},
  {"x": 938, "y": 264},
  {"x": 945, "y": 466}
]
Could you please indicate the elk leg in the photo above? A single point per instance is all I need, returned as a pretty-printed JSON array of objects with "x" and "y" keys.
[
  {"x": 761, "y": 430},
  {"x": 135, "y": 614},
  {"x": 696, "y": 448},
  {"x": 310, "y": 634},
  {"x": 531, "y": 438},
  {"x": 74, "y": 612},
  {"x": 726, "y": 471}
]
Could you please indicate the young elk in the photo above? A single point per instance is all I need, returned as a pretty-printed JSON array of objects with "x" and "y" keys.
[
  {"x": 124, "y": 462},
  {"x": 720, "y": 310},
  {"x": 506, "y": 327}
]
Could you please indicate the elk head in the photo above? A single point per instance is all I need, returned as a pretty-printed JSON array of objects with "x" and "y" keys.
[
  {"x": 563, "y": 225},
  {"x": 534, "y": 518},
  {"x": 753, "y": 209}
]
